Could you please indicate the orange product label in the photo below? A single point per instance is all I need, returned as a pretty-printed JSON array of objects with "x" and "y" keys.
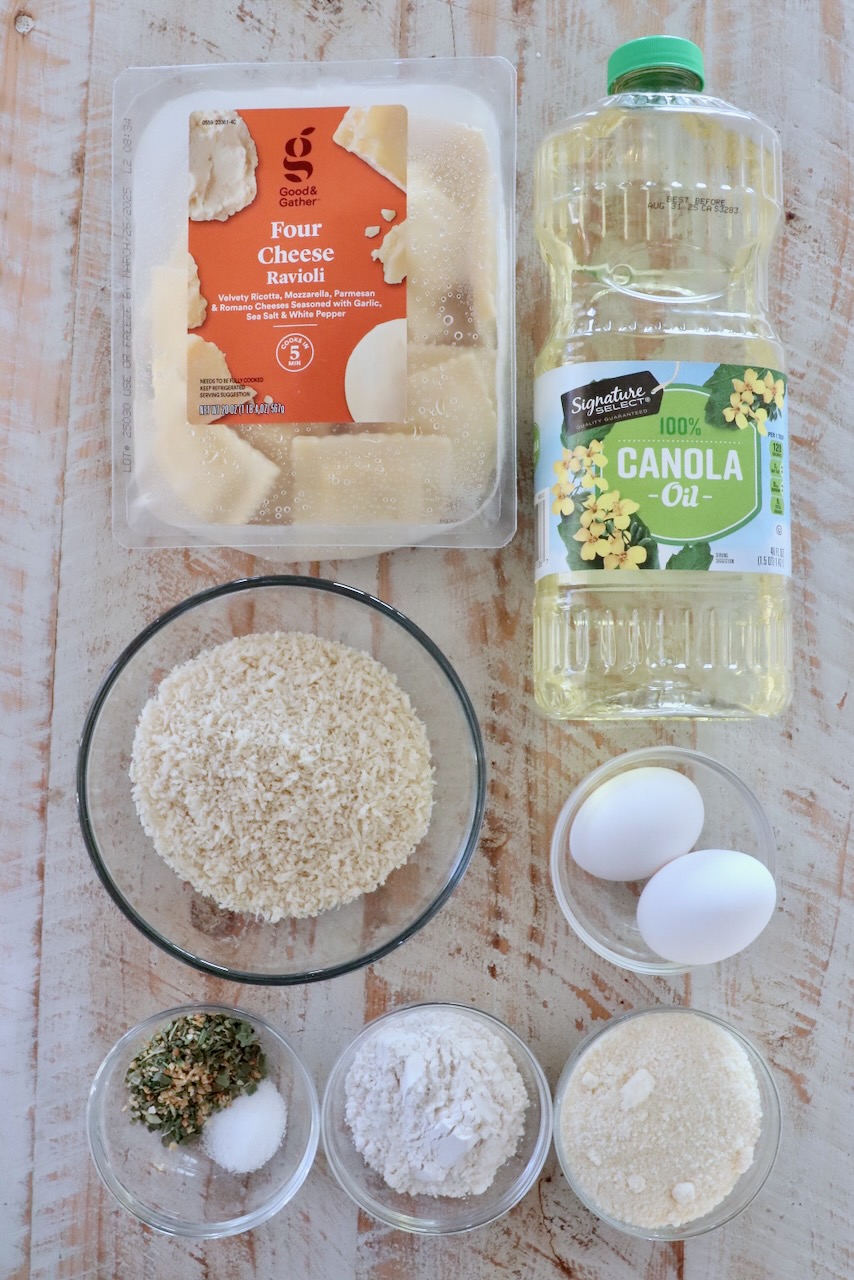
[{"x": 290, "y": 267}]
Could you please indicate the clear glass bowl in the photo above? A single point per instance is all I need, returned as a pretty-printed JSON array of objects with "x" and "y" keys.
[
  {"x": 182, "y": 1192},
  {"x": 190, "y": 926},
  {"x": 439, "y": 1215},
  {"x": 750, "y": 1182},
  {"x": 604, "y": 912}
]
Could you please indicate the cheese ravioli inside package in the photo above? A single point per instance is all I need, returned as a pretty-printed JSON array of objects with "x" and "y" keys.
[{"x": 313, "y": 320}]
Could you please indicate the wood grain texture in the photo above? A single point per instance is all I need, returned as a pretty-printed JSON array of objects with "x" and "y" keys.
[
  {"x": 41, "y": 163},
  {"x": 78, "y": 974}
]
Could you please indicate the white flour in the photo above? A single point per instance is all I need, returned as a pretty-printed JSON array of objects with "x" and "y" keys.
[{"x": 435, "y": 1103}]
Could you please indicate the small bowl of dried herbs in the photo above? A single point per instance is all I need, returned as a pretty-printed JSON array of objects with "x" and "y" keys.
[{"x": 203, "y": 1121}]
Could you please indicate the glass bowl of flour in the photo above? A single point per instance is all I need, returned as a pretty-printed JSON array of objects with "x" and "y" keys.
[{"x": 436, "y": 1119}]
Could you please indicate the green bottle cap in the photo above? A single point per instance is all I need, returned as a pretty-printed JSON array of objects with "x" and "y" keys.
[{"x": 651, "y": 52}]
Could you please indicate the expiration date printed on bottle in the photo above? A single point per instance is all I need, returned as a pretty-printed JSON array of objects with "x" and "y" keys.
[
  {"x": 296, "y": 302},
  {"x": 666, "y": 201},
  {"x": 665, "y": 465}
]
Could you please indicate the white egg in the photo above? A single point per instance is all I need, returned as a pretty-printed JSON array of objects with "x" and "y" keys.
[
  {"x": 635, "y": 823},
  {"x": 706, "y": 906}
]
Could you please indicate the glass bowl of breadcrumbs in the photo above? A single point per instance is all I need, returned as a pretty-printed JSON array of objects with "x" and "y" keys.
[{"x": 281, "y": 779}]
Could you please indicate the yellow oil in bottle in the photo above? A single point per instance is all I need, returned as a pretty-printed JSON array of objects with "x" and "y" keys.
[{"x": 655, "y": 211}]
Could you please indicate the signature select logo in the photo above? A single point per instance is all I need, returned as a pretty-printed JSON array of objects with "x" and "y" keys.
[
  {"x": 297, "y": 168},
  {"x": 607, "y": 401}
]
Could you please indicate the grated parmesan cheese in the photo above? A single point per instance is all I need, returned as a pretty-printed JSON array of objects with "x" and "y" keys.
[
  {"x": 660, "y": 1119},
  {"x": 282, "y": 774}
]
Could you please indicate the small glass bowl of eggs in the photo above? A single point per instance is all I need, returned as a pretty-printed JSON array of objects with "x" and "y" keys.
[{"x": 663, "y": 860}]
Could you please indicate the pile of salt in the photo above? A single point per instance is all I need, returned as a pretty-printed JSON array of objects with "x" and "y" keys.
[{"x": 245, "y": 1135}]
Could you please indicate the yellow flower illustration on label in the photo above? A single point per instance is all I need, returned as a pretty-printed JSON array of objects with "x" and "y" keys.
[
  {"x": 563, "y": 504},
  {"x": 592, "y": 543},
  {"x": 590, "y": 455},
  {"x": 621, "y": 509},
  {"x": 745, "y": 394},
  {"x": 736, "y": 410},
  {"x": 604, "y": 518},
  {"x": 773, "y": 389},
  {"x": 584, "y": 459},
  {"x": 574, "y": 471},
  {"x": 597, "y": 509},
  {"x": 621, "y": 554}
]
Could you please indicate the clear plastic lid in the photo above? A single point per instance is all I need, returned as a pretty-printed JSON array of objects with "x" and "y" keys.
[{"x": 313, "y": 306}]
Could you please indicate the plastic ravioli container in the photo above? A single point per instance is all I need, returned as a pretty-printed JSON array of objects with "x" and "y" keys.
[{"x": 313, "y": 320}]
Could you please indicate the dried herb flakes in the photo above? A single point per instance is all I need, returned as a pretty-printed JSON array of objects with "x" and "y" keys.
[{"x": 196, "y": 1065}]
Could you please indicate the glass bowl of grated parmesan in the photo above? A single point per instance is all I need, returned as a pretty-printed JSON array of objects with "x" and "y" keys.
[
  {"x": 188, "y": 1188},
  {"x": 281, "y": 779},
  {"x": 666, "y": 1122},
  {"x": 436, "y": 1119}
]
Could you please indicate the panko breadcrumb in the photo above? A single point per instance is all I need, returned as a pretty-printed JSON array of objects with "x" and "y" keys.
[{"x": 282, "y": 774}]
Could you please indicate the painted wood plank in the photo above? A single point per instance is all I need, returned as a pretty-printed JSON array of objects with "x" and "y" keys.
[{"x": 41, "y": 165}]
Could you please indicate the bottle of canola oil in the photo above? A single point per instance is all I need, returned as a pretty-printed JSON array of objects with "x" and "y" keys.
[{"x": 660, "y": 405}]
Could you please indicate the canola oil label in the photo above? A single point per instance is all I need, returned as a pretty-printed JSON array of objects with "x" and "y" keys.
[{"x": 664, "y": 465}]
